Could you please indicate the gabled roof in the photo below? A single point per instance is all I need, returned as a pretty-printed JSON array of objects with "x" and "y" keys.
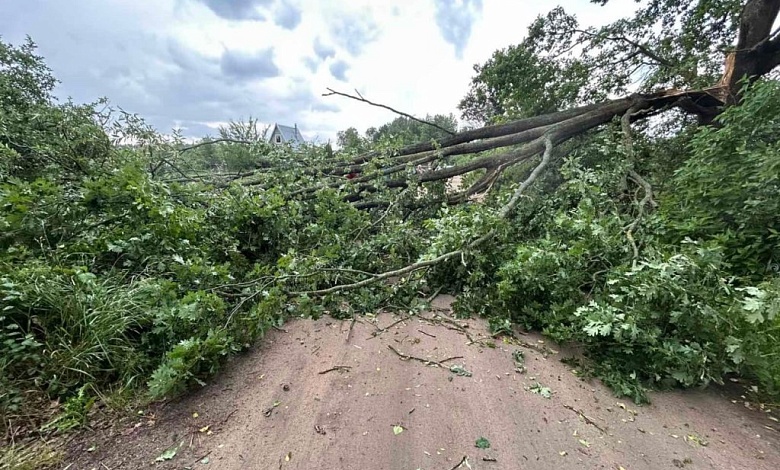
[{"x": 289, "y": 134}]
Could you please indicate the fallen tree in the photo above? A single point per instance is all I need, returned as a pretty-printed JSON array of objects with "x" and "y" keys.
[
  {"x": 381, "y": 179},
  {"x": 643, "y": 228},
  {"x": 756, "y": 53}
]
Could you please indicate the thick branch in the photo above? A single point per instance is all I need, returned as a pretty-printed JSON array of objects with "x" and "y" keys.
[
  {"x": 486, "y": 132},
  {"x": 562, "y": 125},
  {"x": 503, "y": 213},
  {"x": 568, "y": 125}
]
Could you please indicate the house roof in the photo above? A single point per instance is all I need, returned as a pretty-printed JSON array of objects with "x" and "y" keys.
[{"x": 289, "y": 134}]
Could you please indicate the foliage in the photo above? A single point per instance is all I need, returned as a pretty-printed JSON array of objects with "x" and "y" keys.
[
  {"x": 350, "y": 140},
  {"x": 516, "y": 82},
  {"x": 728, "y": 189},
  {"x": 118, "y": 273},
  {"x": 30, "y": 457},
  {"x": 397, "y": 133},
  {"x": 482, "y": 443},
  {"x": 133, "y": 262},
  {"x": 680, "y": 314},
  {"x": 38, "y": 136},
  {"x": 559, "y": 63},
  {"x": 405, "y": 131},
  {"x": 74, "y": 412}
]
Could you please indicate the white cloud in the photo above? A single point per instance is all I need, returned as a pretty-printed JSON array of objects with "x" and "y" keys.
[
  {"x": 287, "y": 15},
  {"x": 193, "y": 63},
  {"x": 455, "y": 19}
]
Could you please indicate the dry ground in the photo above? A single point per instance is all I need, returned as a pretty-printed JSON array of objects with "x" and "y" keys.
[{"x": 278, "y": 407}]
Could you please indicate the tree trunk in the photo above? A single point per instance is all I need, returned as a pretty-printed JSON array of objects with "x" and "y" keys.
[{"x": 757, "y": 51}]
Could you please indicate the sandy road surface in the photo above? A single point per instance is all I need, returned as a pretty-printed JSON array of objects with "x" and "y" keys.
[{"x": 274, "y": 408}]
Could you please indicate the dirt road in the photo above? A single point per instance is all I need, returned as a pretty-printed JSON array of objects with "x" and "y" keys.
[{"x": 321, "y": 396}]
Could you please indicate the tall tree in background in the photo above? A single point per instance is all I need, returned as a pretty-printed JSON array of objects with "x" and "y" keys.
[
  {"x": 350, "y": 140},
  {"x": 399, "y": 132},
  {"x": 405, "y": 131},
  {"x": 667, "y": 44}
]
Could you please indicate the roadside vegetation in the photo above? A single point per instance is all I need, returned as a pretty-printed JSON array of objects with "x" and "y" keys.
[{"x": 133, "y": 262}]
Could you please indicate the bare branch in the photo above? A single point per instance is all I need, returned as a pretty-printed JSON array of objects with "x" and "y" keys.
[
  {"x": 625, "y": 122},
  {"x": 215, "y": 141},
  {"x": 179, "y": 171},
  {"x": 360, "y": 98},
  {"x": 510, "y": 206}
]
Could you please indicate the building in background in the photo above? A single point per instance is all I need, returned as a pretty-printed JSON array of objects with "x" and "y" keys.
[{"x": 286, "y": 135}]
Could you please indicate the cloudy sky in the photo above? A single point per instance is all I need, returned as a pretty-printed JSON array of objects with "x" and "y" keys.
[{"x": 195, "y": 64}]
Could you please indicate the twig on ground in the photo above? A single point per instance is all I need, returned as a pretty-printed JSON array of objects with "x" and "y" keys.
[
  {"x": 465, "y": 459},
  {"x": 351, "y": 326},
  {"x": 199, "y": 458},
  {"x": 434, "y": 295},
  {"x": 585, "y": 418},
  {"x": 450, "y": 359},
  {"x": 379, "y": 331},
  {"x": 224, "y": 420},
  {"x": 489, "y": 459},
  {"x": 347, "y": 368},
  {"x": 427, "y": 362},
  {"x": 426, "y": 334},
  {"x": 279, "y": 329},
  {"x": 542, "y": 349},
  {"x": 453, "y": 325}
]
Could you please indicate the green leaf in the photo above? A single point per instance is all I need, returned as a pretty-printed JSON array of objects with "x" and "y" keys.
[
  {"x": 398, "y": 429},
  {"x": 482, "y": 443},
  {"x": 541, "y": 390},
  {"x": 459, "y": 370},
  {"x": 167, "y": 455}
]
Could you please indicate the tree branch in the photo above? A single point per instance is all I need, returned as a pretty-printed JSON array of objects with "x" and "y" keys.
[
  {"x": 503, "y": 213},
  {"x": 510, "y": 206},
  {"x": 215, "y": 141},
  {"x": 625, "y": 122},
  {"x": 179, "y": 171},
  {"x": 641, "y": 48},
  {"x": 363, "y": 100}
]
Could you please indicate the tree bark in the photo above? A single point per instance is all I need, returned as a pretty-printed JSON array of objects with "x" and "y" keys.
[{"x": 757, "y": 52}]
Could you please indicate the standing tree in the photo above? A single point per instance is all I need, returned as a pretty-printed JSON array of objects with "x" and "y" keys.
[
  {"x": 350, "y": 140},
  {"x": 406, "y": 131}
]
